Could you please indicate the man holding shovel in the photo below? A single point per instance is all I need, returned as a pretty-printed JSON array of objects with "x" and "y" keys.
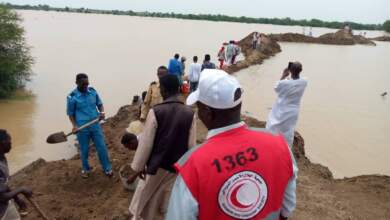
[{"x": 83, "y": 106}]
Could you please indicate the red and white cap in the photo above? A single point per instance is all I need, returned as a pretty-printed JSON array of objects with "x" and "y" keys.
[{"x": 216, "y": 89}]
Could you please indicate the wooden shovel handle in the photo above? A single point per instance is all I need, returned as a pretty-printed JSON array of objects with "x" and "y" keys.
[
  {"x": 39, "y": 210},
  {"x": 84, "y": 126}
]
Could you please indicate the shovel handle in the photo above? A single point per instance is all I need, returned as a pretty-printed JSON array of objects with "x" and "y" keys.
[
  {"x": 39, "y": 210},
  {"x": 84, "y": 126}
]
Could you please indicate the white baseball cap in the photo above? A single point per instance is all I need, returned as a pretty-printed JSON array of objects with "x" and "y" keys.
[{"x": 216, "y": 89}]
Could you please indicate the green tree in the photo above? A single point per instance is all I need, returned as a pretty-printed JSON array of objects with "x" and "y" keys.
[
  {"x": 15, "y": 59},
  {"x": 386, "y": 26}
]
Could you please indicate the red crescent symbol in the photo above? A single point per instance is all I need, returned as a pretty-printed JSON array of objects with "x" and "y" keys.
[{"x": 234, "y": 200}]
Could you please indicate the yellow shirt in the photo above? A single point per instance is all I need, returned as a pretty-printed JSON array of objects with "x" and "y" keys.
[{"x": 153, "y": 97}]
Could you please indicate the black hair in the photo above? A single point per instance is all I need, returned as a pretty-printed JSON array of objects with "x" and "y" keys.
[
  {"x": 127, "y": 138},
  {"x": 81, "y": 76},
  {"x": 207, "y": 57},
  {"x": 135, "y": 99},
  {"x": 162, "y": 68},
  {"x": 170, "y": 83},
  {"x": 195, "y": 58},
  {"x": 177, "y": 56},
  {"x": 144, "y": 95},
  {"x": 4, "y": 135}
]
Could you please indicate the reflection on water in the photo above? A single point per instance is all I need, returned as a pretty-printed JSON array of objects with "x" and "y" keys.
[
  {"x": 121, "y": 55},
  {"x": 344, "y": 120},
  {"x": 17, "y": 116}
]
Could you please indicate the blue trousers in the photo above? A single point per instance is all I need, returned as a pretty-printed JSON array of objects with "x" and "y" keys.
[{"x": 95, "y": 134}]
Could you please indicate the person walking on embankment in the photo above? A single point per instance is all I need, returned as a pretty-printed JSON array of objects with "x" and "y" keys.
[
  {"x": 175, "y": 67},
  {"x": 83, "y": 106},
  {"x": 9, "y": 197},
  {"x": 194, "y": 74},
  {"x": 170, "y": 130},
  {"x": 284, "y": 114},
  {"x": 207, "y": 64},
  {"x": 238, "y": 172},
  {"x": 221, "y": 56},
  {"x": 153, "y": 95}
]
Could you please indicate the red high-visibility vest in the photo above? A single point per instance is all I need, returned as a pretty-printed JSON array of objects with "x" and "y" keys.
[{"x": 238, "y": 174}]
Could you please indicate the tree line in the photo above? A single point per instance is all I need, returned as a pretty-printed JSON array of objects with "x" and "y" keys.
[{"x": 209, "y": 17}]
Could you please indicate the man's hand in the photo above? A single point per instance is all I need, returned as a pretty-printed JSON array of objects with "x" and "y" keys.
[
  {"x": 27, "y": 192},
  {"x": 102, "y": 115},
  {"x": 285, "y": 74},
  {"x": 74, "y": 129}
]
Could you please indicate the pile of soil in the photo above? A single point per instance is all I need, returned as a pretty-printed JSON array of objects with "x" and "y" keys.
[
  {"x": 383, "y": 38},
  {"x": 339, "y": 38},
  {"x": 63, "y": 194}
]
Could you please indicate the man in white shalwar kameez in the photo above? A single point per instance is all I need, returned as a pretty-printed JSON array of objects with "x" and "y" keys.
[{"x": 284, "y": 114}]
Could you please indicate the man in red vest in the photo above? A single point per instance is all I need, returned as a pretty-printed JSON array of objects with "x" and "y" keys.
[{"x": 238, "y": 173}]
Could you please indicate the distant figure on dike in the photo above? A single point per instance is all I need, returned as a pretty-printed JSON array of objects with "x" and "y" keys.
[
  {"x": 169, "y": 132},
  {"x": 230, "y": 50},
  {"x": 207, "y": 64},
  {"x": 260, "y": 41},
  {"x": 175, "y": 67},
  {"x": 236, "y": 53},
  {"x": 238, "y": 172},
  {"x": 194, "y": 74},
  {"x": 255, "y": 39},
  {"x": 153, "y": 95},
  {"x": 284, "y": 114},
  {"x": 84, "y": 105},
  {"x": 183, "y": 64},
  {"x": 8, "y": 196},
  {"x": 221, "y": 55}
]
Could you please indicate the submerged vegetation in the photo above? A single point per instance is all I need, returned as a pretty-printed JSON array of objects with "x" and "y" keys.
[
  {"x": 15, "y": 59},
  {"x": 209, "y": 17}
]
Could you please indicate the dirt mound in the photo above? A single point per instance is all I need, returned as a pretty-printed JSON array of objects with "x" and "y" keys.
[
  {"x": 63, "y": 194},
  {"x": 383, "y": 38},
  {"x": 269, "y": 48},
  {"x": 339, "y": 38}
]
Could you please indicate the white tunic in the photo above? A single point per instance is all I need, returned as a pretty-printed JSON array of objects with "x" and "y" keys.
[{"x": 284, "y": 114}]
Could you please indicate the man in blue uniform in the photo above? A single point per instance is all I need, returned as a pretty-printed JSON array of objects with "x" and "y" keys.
[{"x": 83, "y": 106}]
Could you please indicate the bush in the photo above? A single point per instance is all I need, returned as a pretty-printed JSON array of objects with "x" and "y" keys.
[
  {"x": 15, "y": 59},
  {"x": 386, "y": 26}
]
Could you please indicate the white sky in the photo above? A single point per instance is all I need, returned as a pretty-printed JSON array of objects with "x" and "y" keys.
[{"x": 364, "y": 11}]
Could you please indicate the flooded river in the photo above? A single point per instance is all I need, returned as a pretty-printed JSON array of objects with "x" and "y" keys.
[{"x": 343, "y": 118}]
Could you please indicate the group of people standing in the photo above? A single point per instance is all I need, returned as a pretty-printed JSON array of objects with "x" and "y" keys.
[
  {"x": 236, "y": 173},
  {"x": 257, "y": 39},
  {"x": 228, "y": 53},
  {"x": 177, "y": 68}
]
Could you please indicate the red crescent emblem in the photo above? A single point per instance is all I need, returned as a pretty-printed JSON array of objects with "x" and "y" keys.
[{"x": 234, "y": 199}]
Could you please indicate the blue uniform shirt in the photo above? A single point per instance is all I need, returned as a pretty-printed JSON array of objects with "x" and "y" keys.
[
  {"x": 83, "y": 106},
  {"x": 175, "y": 67}
]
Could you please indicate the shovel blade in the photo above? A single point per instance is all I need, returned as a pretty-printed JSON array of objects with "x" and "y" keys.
[{"x": 55, "y": 138}]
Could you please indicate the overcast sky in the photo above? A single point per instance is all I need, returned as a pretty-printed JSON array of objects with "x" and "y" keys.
[{"x": 364, "y": 11}]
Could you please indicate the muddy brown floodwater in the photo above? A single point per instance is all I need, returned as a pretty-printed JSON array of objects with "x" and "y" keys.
[{"x": 343, "y": 117}]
